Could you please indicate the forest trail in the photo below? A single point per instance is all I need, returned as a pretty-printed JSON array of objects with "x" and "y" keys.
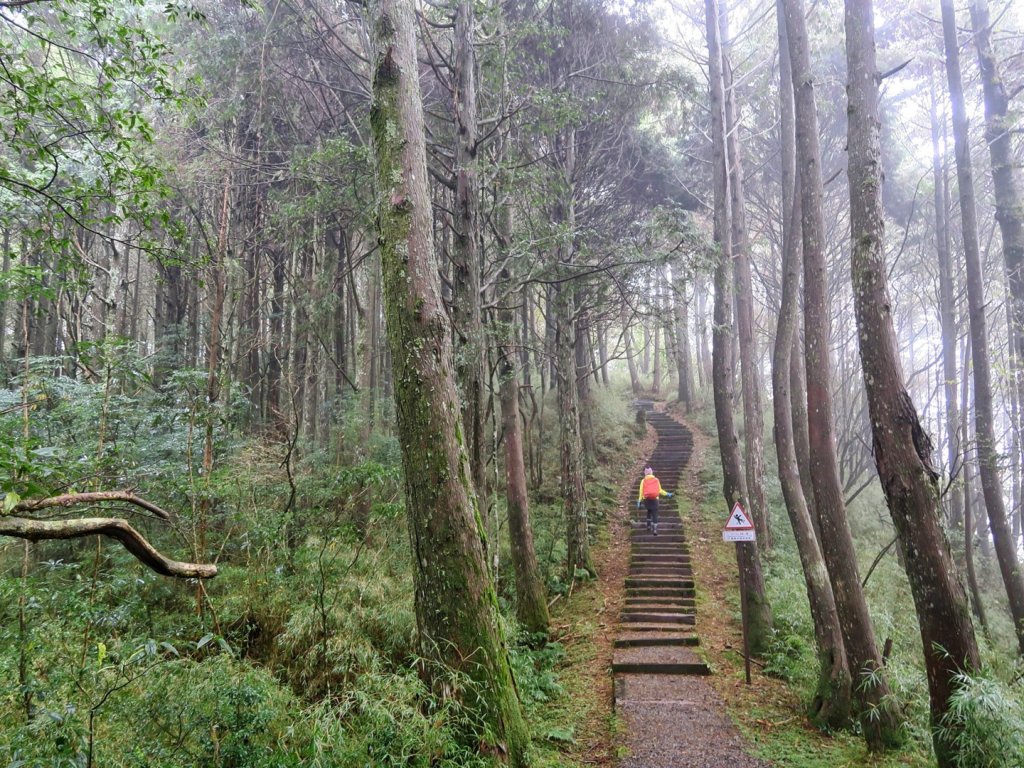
[{"x": 673, "y": 717}]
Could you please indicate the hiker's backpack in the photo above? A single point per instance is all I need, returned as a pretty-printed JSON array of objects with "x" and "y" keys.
[{"x": 651, "y": 488}]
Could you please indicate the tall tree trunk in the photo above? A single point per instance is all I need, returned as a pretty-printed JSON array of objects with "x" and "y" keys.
[
  {"x": 466, "y": 256},
  {"x": 880, "y": 720},
  {"x": 1006, "y": 182},
  {"x": 759, "y": 616},
  {"x": 703, "y": 355},
  {"x": 902, "y": 449},
  {"x": 798, "y": 402},
  {"x": 682, "y": 348},
  {"x": 456, "y": 606},
  {"x": 656, "y": 320},
  {"x": 753, "y": 416},
  {"x": 4, "y": 269},
  {"x": 627, "y": 334},
  {"x": 977, "y": 605},
  {"x": 586, "y": 398},
  {"x": 988, "y": 453},
  {"x": 947, "y": 309},
  {"x": 602, "y": 351},
  {"x": 830, "y": 706}
]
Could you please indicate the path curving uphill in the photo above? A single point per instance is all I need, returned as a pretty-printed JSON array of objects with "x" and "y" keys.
[{"x": 673, "y": 717}]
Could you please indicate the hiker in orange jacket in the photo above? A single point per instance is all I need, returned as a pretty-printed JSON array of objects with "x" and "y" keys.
[{"x": 650, "y": 492}]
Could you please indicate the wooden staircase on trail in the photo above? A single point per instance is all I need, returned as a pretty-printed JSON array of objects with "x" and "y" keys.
[
  {"x": 672, "y": 716},
  {"x": 655, "y": 632}
]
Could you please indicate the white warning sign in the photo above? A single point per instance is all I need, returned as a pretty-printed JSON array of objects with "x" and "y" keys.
[{"x": 739, "y": 527}]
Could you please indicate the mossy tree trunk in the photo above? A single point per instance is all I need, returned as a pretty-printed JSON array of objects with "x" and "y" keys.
[
  {"x": 759, "y": 616},
  {"x": 456, "y": 606},
  {"x": 988, "y": 450},
  {"x": 831, "y": 703},
  {"x": 880, "y": 717},
  {"x": 902, "y": 450}
]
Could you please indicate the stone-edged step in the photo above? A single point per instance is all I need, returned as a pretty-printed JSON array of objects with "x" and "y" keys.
[
  {"x": 639, "y": 559},
  {"x": 659, "y": 571},
  {"x": 660, "y": 539},
  {"x": 659, "y": 549},
  {"x": 658, "y": 608},
  {"x": 659, "y": 581},
  {"x": 652, "y": 628},
  {"x": 655, "y": 640},
  {"x": 649, "y": 603},
  {"x": 666, "y": 592},
  {"x": 658, "y": 660},
  {"x": 651, "y": 617}
]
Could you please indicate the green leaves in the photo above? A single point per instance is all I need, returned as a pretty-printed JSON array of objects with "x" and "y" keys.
[{"x": 10, "y": 502}]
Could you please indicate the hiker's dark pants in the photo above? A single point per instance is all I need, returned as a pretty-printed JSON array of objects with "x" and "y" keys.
[{"x": 652, "y": 510}]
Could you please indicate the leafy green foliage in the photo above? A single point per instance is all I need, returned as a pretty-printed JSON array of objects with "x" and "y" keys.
[{"x": 986, "y": 720}]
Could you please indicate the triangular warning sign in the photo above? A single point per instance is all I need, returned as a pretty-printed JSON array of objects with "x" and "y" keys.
[{"x": 738, "y": 520}]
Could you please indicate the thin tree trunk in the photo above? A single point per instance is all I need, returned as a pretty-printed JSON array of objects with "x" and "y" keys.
[
  {"x": 456, "y": 606},
  {"x": 830, "y": 706},
  {"x": 758, "y": 611},
  {"x": 977, "y": 605},
  {"x": 656, "y": 320},
  {"x": 902, "y": 449},
  {"x": 602, "y": 352},
  {"x": 988, "y": 453},
  {"x": 753, "y": 416},
  {"x": 682, "y": 347},
  {"x": 627, "y": 334},
  {"x": 947, "y": 310},
  {"x": 4, "y": 269},
  {"x": 880, "y": 720},
  {"x": 586, "y": 398},
  {"x": 467, "y": 313}
]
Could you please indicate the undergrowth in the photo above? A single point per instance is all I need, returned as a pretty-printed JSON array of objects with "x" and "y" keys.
[{"x": 303, "y": 650}]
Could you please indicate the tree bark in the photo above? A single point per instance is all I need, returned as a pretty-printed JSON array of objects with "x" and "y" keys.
[
  {"x": 879, "y": 718},
  {"x": 627, "y": 334},
  {"x": 947, "y": 309},
  {"x": 586, "y": 398},
  {"x": 977, "y": 605},
  {"x": 988, "y": 454},
  {"x": 759, "y": 618},
  {"x": 4, "y": 269},
  {"x": 456, "y": 605},
  {"x": 1006, "y": 182},
  {"x": 682, "y": 348},
  {"x": 467, "y": 314},
  {"x": 753, "y": 416},
  {"x": 830, "y": 706},
  {"x": 902, "y": 449}
]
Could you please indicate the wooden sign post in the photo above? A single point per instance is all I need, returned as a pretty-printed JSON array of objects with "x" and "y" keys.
[{"x": 740, "y": 529}]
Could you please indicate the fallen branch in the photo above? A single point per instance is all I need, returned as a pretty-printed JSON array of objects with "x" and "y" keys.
[
  {"x": 133, "y": 541},
  {"x": 71, "y": 499}
]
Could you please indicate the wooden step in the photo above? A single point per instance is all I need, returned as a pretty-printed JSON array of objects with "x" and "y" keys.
[
  {"x": 660, "y": 592},
  {"x": 655, "y": 640},
  {"x": 651, "y": 617},
  {"x": 658, "y": 660},
  {"x": 679, "y": 582}
]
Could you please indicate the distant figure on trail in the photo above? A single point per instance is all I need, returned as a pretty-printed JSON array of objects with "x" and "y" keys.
[{"x": 650, "y": 492}]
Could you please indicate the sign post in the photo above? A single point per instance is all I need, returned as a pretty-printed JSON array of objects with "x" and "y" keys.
[{"x": 740, "y": 529}]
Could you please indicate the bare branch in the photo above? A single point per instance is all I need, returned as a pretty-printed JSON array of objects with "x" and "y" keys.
[
  {"x": 133, "y": 541},
  {"x": 71, "y": 499}
]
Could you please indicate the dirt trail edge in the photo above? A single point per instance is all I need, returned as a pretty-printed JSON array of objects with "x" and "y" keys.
[{"x": 672, "y": 716}]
